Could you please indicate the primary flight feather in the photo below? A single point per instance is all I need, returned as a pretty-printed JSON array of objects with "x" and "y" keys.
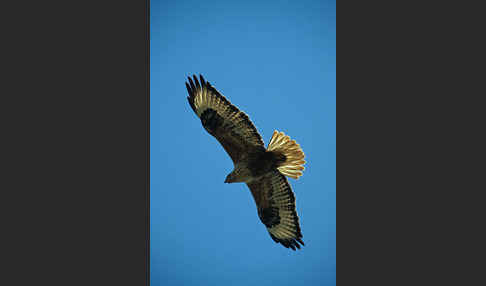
[{"x": 262, "y": 169}]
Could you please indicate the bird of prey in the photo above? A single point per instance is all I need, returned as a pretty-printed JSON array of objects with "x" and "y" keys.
[{"x": 262, "y": 169}]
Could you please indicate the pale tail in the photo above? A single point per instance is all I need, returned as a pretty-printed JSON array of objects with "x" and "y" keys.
[{"x": 293, "y": 165}]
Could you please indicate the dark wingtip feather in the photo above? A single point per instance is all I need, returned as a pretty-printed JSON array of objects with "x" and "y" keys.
[
  {"x": 189, "y": 89},
  {"x": 300, "y": 241},
  {"x": 193, "y": 87},
  {"x": 203, "y": 82},
  {"x": 196, "y": 81},
  {"x": 190, "y": 98}
]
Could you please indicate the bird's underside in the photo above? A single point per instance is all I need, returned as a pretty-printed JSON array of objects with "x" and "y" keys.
[{"x": 262, "y": 169}]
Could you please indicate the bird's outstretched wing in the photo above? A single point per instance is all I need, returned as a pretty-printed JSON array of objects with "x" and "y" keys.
[
  {"x": 276, "y": 208},
  {"x": 230, "y": 126}
]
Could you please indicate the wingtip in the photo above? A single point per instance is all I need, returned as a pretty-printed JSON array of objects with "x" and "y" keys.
[
  {"x": 191, "y": 83},
  {"x": 188, "y": 89},
  {"x": 196, "y": 81},
  {"x": 301, "y": 241}
]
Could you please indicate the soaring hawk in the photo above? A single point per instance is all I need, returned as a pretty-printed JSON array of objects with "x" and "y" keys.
[{"x": 262, "y": 169}]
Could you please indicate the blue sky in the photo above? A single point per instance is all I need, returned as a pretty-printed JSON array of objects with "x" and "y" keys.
[{"x": 276, "y": 61}]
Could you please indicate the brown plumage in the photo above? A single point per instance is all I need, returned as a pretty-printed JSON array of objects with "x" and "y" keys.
[{"x": 262, "y": 169}]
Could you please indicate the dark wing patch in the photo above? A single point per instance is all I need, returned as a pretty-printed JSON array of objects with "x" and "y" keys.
[
  {"x": 276, "y": 209},
  {"x": 269, "y": 216},
  {"x": 211, "y": 120},
  {"x": 230, "y": 126}
]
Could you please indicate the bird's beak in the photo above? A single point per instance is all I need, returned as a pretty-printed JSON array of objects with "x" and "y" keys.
[{"x": 227, "y": 179}]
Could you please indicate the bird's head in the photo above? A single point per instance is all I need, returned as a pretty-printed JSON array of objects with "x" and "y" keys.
[{"x": 230, "y": 178}]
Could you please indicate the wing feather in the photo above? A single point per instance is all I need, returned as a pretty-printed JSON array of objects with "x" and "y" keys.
[
  {"x": 230, "y": 126},
  {"x": 276, "y": 209}
]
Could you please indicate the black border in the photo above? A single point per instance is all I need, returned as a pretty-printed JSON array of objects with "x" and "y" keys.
[
  {"x": 147, "y": 42},
  {"x": 408, "y": 109},
  {"x": 75, "y": 103}
]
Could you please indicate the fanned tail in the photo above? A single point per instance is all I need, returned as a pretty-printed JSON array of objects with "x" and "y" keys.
[{"x": 293, "y": 165}]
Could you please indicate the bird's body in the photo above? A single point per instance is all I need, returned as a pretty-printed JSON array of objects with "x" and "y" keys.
[
  {"x": 262, "y": 169},
  {"x": 255, "y": 164}
]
